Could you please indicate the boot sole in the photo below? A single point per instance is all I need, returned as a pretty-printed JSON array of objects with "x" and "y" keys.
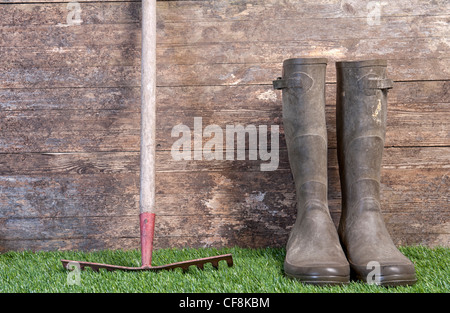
[
  {"x": 320, "y": 280},
  {"x": 391, "y": 280},
  {"x": 385, "y": 281}
]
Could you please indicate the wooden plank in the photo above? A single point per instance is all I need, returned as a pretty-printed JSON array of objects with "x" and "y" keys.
[
  {"x": 211, "y": 10},
  {"x": 409, "y": 96},
  {"x": 119, "y": 11},
  {"x": 107, "y": 53},
  {"x": 206, "y": 193},
  {"x": 233, "y": 231},
  {"x": 116, "y": 227},
  {"x": 229, "y": 230},
  {"x": 44, "y": 130},
  {"x": 37, "y": 57},
  {"x": 116, "y": 130},
  {"x": 88, "y": 244},
  {"x": 68, "y": 195},
  {"x": 48, "y": 37},
  {"x": 403, "y": 128},
  {"x": 128, "y": 162},
  {"x": 242, "y": 10},
  {"x": 429, "y": 239},
  {"x": 307, "y": 29},
  {"x": 128, "y": 54},
  {"x": 414, "y": 123},
  {"x": 114, "y": 76},
  {"x": 237, "y": 74},
  {"x": 194, "y": 75},
  {"x": 121, "y": 98},
  {"x": 334, "y": 49},
  {"x": 56, "y": 13},
  {"x": 67, "y": 1},
  {"x": 70, "y": 163}
]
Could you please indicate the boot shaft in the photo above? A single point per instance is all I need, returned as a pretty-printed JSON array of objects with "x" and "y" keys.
[
  {"x": 303, "y": 86},
  {"x": 361, "y": 109}
]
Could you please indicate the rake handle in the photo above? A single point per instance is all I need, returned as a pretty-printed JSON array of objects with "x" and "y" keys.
[
  {"x": 148, "y": 130},
  {"x": 148, "y": 107}
]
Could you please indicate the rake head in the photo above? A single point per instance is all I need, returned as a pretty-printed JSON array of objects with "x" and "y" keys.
[
  {"x": 147, "y": 225},
  {"x": 214, "y": 260}
]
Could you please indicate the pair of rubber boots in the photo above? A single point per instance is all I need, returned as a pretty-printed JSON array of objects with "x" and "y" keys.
[{"x": 361, "y": 247}]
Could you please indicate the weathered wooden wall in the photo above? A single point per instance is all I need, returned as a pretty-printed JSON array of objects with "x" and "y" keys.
[{"x": 69, "y": 118}]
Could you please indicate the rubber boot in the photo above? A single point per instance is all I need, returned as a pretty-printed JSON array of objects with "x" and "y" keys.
[
  {"x": 313, "y": 253},
  {"x": 361, "y": 124}
]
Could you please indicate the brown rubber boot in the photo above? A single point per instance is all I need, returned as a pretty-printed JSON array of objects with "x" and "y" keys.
[
  {"x": 313, "y": 253},
  {"x": 361, "y": 123}
]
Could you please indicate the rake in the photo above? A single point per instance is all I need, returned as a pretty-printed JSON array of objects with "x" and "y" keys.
[{"x": 147, "y": 159}]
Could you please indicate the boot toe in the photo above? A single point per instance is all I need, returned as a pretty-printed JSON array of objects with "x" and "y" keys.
[
  {"x": 401, "y": 274},
  {"x": 319, "y": 274}
]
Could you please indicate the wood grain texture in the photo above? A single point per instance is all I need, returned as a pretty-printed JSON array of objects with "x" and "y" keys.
[{"x": 70, "y": 115}]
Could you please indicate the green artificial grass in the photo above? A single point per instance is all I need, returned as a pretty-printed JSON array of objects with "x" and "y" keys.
[{"x": 254, "y": 271}]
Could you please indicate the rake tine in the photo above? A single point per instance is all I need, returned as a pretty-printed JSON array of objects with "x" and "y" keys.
[
  {"x": 229, "y": 261},
  {"x": 95, "y": 268},
  {"x": 215, "y": 264}
]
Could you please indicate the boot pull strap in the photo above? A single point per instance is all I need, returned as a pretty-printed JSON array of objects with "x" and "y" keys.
[
  {"x": 287, "y": 83},
  {"x": 377, "y": 83},
  {"x": 297, "y": 80}
]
